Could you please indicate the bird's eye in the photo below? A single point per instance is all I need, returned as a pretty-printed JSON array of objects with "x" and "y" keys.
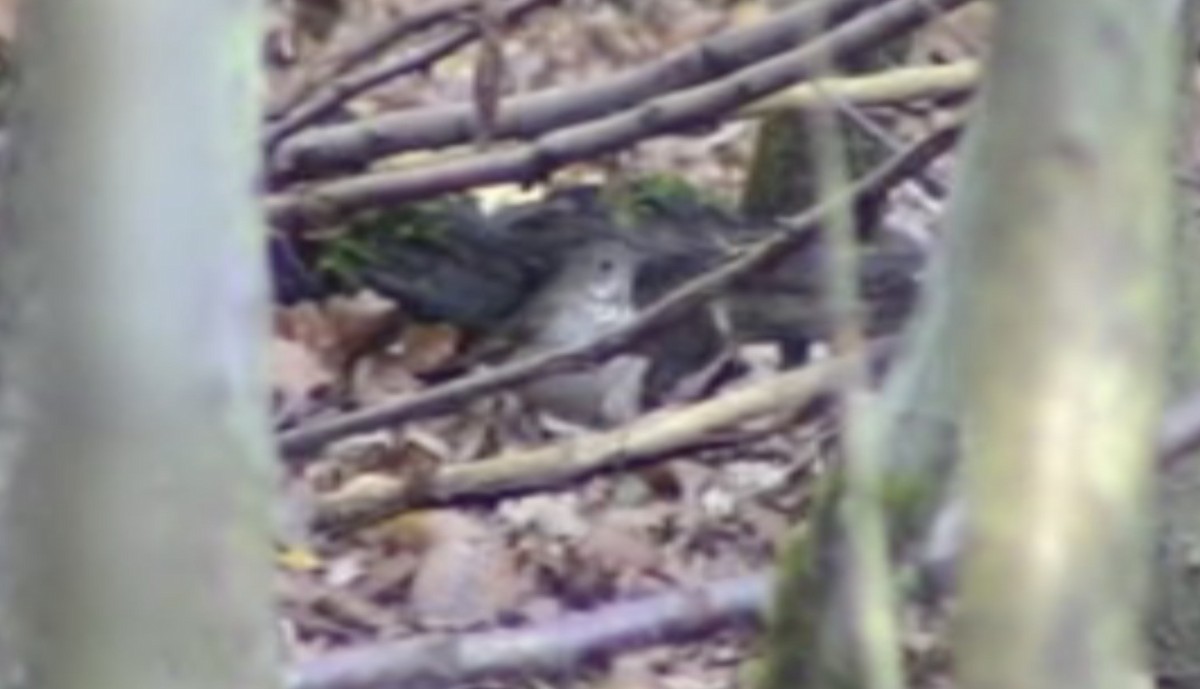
[{"x": 607, "y": 266}]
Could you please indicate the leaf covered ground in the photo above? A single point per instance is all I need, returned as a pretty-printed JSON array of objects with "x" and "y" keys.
[{"x": 528, "y": 560}]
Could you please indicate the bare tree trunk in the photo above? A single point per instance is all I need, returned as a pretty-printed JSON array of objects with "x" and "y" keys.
[{"x": 135, "y": 519}]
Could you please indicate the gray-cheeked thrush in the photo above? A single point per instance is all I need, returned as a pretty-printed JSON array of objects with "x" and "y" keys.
[{"x": 590, "y": 294}]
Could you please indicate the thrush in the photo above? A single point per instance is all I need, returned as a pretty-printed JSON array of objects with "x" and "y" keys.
[{"x": 590, "y": 294}]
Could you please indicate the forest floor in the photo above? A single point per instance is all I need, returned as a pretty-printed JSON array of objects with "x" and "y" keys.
[{"x": 534, "y": 561}]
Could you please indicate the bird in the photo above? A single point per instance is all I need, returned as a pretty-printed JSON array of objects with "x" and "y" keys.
[{"x": 591, "y": 293}]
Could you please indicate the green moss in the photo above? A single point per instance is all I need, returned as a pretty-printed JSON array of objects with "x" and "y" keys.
[
  {"x": 342, "y": 260},
  {"x": 371, "y": 235},
  {"x": 656, "y": 196},
  {"x": 780, "y": 179}
]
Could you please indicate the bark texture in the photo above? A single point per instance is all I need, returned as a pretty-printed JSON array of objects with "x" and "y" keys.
[{"x": 136, "y": 450}]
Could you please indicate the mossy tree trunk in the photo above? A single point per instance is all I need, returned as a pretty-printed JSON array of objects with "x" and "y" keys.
[
  {"x": 832, "y": 624},
  {"x": 782, "y": 177},
  {"x": 1065, "y": 339},
  {"x": 135, "y": 445},
  {"x": 1050, "y": 297}
]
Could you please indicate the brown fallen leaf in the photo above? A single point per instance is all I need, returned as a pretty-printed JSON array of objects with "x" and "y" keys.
[
  {"x": 298, "y": 379},
  {"x": 381, "y": 377},
  {"x": 621, "y": 542},
  {"x": 306, "y": 324},
  {"x": 359, "y": 321},
  {"x": 467, "y": 576},
  {"x": 427, "y": 348}
]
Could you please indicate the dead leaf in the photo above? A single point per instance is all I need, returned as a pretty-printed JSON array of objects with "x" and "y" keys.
[
  {"x": 623, "y": 547},
  {"x": 957, "y": 35},
  {"x": 298, "y": 379},
  {"x": 347, "y": 456},
  {"x": 552, "y": 515},
  {"x": 429, "y": 347},
  {"x": 409, "y": 532},
  {"x": 308, "y": 325},
  {"x": 467, "y": 576},
  {"x": 318, "y": 18},
  {"x": 340, "y": 329},
  {"x": 359, "y": 321},
  {"x": 381, "y": 377},
  {"x": 633, "y": 671},
  {"x": 366, "y": 487}
]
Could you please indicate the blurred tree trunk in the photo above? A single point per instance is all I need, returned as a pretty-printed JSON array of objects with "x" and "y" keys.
[
  {"x": 135, "y": 443},
  {"x": 1065, "y": 343},
  {"x": 832, "y": 624},
  {"x": 1056, "y": 256},
  {"x": 920, "y": 431},
  {"x": 1175, "y": 613}
]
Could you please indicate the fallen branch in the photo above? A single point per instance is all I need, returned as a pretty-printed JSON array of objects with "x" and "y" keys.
[
  {"x": 671, "y": 113},
  {"x": 891, "y": 87},
  {"x": 300, "y": 442},
  {"x": 324, "y": 151},
  {"x": 660, "y": 434},
  {"x": 443, "y": 660},
  {"x": 348, "y": 146}
]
